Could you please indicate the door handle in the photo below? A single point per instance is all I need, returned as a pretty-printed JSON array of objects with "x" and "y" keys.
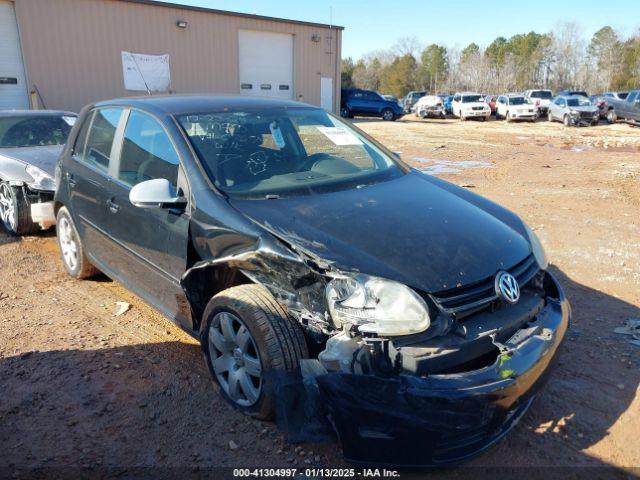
[
  {"x": 113, "y": 207},
  {"x": 71, "y": 180}
]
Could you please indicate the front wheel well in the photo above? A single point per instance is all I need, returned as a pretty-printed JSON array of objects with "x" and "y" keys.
[{"x": 202, "y": 283}]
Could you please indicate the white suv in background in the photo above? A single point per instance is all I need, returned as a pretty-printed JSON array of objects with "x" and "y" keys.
[
  {"x": 540, "y": 98},
  {"x": 470, "y": 105},
  {"x": 513, "y": 106}
]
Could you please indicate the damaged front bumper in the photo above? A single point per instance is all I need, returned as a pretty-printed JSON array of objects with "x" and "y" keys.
[
  {"x": 40, "y": 202},
  {"x": 431, "y": 420},
  {"x": 435, "y": 111}
]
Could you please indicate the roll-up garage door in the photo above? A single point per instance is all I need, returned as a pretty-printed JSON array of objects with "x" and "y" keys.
[
  {"x": 266, "y": 64},
  {"x": 13, "y": 88}
]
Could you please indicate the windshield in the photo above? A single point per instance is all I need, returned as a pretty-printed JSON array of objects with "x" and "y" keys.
[
  {"x": 471, "y": 98},
  {"x": 623, "y": 95},
  {"x": 518, "y": 101},
  {"x": 544, "y": 94},
  {"x": 284, "y": 152},
  {"x": 34, "y": 131},
  {"x": 578, "y": 102}
]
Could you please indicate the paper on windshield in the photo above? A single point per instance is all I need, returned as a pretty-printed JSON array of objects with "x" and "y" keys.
[
  {"x": 276, "y": 133},
  {"x": 71, "y": 121},
  {"x": 340, "y": 136}
]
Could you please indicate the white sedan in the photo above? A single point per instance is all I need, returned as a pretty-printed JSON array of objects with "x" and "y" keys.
[
  {"x": 515, "y": 107},
  {"x": 470, "y": 105}
]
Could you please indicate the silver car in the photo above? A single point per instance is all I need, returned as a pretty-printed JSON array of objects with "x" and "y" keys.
[
  {"x": 30, "y": 143},
  {"x": 573, "y": 110}
]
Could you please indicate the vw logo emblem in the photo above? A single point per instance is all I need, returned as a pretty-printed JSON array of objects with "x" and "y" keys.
[{"x": 507, "y": 287}]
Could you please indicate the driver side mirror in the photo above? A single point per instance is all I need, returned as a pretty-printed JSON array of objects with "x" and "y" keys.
[{"x": 156, "y": 193}]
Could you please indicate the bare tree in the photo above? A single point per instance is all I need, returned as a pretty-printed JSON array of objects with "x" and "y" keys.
[
  {"x": 407, "y": 46},
  {"x": 569, "y": 54}
]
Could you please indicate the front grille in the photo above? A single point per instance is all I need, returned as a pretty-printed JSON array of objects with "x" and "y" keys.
[
  {"x": 478, "y": 294},
  {"x": 477, "y": 108},
  {"x": 586, "y": 115}
]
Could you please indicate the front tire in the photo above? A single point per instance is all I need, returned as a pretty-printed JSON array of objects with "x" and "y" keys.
[
  {"x": 611, "y": 116},
  {"x": 566, "y": 121},
  {"x": 250, "y": 342},
  {"x": 15, "y": 212},
  {"x": 549, "y": 116},
  {"x": 387, "y": 115},
  {"x": 72, "y": 249},
  {"x": 345, "y": 112}
]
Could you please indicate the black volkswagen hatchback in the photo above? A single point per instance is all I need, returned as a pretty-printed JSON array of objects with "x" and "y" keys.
[{"x": 288, "y": 241}]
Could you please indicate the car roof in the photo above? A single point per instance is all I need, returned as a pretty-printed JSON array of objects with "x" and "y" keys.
[
  {"x": 36, "y": 113},
  {"x": 179, "y": 104},
  {"x": 513, "y": 94},
  {"x": 468, "y": 93}
]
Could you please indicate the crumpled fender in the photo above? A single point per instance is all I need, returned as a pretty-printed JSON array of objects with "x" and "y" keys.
[{"x": 291, "y": 273}]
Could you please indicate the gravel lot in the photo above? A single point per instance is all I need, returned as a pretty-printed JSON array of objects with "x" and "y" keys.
[{"x": 82, "y": 387}]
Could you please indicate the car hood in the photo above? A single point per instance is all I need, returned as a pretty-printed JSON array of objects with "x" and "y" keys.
[
  {"x": 474, "y": 104},
  {"x": 45, "y": 158},
  {"x": 416, "y": 229},
  {"x": 523, "y": 108},
  {"x": 586, "y": 108}
]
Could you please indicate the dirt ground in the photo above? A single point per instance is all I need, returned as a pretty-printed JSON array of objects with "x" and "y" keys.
[{"x": 84, "y": 388}]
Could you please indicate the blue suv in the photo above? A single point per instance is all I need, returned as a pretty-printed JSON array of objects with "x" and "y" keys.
[{"x": 368, "y": 103}]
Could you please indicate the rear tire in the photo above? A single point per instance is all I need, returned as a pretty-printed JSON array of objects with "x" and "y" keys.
[
  {"x": 15, "y": 211},
  {"x": 249, "y": 377},
  {"x": 72, "y": 249}
]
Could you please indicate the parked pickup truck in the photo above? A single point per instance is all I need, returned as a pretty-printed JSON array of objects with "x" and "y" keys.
[{"x": 627, "y": 109}]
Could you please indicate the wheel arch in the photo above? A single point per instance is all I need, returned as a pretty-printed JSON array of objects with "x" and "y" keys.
[{"x": 204, "y": 281}]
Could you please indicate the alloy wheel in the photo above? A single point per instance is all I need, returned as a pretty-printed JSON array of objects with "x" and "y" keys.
[
  {"x": 387, "y": 115},
  {"x": 235, "y": 360},
  {"x": 68, "y": 244},
  {"x": 7, "y": 208}
]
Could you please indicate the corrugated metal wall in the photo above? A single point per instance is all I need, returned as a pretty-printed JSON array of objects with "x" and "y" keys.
[{"x": 72, "y": 49}]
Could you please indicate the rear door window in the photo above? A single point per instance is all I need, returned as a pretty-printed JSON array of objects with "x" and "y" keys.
[
  {"x": 147, "y": 152},
  {"x": 100, "y": 138}
]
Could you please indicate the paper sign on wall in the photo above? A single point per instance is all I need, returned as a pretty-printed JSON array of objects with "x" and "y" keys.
[
  {"x": 340, "y": 136},
  {"x": 146, "y": 72}
]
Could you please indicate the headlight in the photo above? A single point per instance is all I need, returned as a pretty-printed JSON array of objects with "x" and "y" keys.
[
  {"x": 574, "y": 112},
  {"x": 537, "y": 248},
  {"x": 376, "y": 305},
  {"x": 41, "y": 180}
]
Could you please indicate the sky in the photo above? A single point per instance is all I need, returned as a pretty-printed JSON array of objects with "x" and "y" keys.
[{"x": 377, "y": 24}]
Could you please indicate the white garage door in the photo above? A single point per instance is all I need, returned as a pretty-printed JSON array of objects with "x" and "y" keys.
[
  {"x": 266, "y": 64},
  {"x": 13, "y": 88}
]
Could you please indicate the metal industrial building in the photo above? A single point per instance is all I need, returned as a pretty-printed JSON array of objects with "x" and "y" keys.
[{"x": 63, "y": 54}]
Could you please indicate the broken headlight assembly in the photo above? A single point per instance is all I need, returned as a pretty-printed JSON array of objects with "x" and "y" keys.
[
  {"x": 376, "y": 306},
  {"x": 41, "y": 179},
  {"x": 537, "y": 248}
]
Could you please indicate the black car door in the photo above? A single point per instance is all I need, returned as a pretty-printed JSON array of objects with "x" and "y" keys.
[
  {"x": 88, "y": 181},
  {"x": 153, "y": 241}
]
